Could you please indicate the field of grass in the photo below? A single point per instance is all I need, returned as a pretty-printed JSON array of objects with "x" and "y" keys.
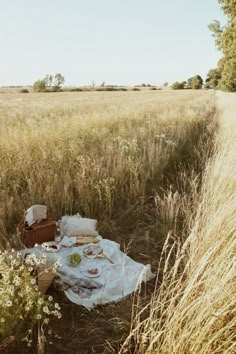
[
  {"x": 102, "y": 155},
  {"x": 143, "y": 164},
  {"x": 194, "y": 309}
]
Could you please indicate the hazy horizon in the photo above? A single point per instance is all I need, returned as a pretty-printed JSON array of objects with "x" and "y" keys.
[{"x": 121, "y": 43}]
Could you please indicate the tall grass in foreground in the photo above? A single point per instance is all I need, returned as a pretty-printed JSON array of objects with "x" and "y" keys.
[
  {"x": 101, "y": 158},
  {"x": 194, "y": 310}
]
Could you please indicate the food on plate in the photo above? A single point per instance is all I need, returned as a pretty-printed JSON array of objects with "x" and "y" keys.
[
  {"x": 74, "y": 259},
  {"x": 92, "y": 250},
  {"x": 88, "y": 252},
  {"x": 53, "y": 247},
  {"x": 82, "y": 240},
  {"x": 92, "y": 271}
]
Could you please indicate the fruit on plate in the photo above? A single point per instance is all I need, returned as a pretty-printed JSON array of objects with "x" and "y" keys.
[{"x": 74, "y": 259}]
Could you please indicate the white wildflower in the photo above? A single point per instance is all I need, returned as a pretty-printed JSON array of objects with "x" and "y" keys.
[
  {"x": 9, "y": 303},
  {"x": 17, "y": 280},
  {"x": 57, "y": 306},
  {"x": 46, "y": 310},
  {"x": 33, "y": 281}
]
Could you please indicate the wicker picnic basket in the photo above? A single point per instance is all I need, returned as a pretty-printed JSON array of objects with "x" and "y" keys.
[
  {"x": 39, "y": 232},
  {"x": 44, "y": 279}
]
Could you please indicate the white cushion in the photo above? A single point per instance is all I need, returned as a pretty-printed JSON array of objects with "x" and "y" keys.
[{"x": 77, "y": 226}]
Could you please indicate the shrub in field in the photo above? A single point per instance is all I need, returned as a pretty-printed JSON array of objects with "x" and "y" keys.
[
  {"x": 213, "y": 78},
  {"x": 196, "y": 82},
  {"x": 22, "y": 306},
  {"x": 111, "y": 88},
  {"x": 24, "y": 91},
  {"x": 39, "y": 86},
  {"x": 178, "y": 85},
  {"x": 75, "y": 89}
]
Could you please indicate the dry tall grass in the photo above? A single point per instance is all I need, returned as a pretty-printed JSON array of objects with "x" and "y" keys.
[
  {"x": 98, "y": 153},
  {"x": 194, "y": 310},
  {"x": 132, "y": 160}
]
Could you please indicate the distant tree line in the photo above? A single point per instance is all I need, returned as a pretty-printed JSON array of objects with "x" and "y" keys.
[
  {"x": 50, "y": 83},
  {"x": 195, "y": 83},
  {"x": 224, "y": 76}
]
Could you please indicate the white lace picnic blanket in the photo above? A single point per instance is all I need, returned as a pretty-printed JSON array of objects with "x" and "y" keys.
[{"x": 117, "y": 280}]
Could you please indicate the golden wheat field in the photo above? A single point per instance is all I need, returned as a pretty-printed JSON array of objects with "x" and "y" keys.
[
  {"x": 100, "y": 154},
  {"x": 157, "y": 170}
]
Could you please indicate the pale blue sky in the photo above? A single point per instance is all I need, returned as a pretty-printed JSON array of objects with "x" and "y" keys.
[{"x": 117, "y": 41}]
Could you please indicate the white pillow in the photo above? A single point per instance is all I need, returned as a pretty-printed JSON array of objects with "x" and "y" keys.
[{"x": 77, "y": 226}]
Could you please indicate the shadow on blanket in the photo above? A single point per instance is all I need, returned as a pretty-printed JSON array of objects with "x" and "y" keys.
[{"x": 81, "y": 286}]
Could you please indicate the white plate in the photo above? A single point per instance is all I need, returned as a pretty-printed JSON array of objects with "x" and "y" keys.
[
  {"x": 107, "y": 251},
  {"x": 48, "y": 245},
  {"x": 88, "y": 275},
  {"x": 95, "y": 249}
]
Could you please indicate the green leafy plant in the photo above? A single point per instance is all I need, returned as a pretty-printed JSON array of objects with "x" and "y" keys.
[{"x": 74, "y": 259}]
